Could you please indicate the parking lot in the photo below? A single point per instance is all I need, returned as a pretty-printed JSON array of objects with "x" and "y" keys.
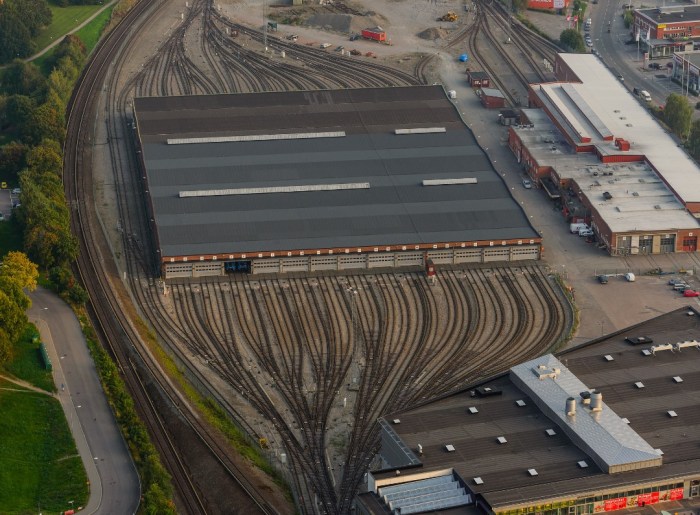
[{"x": 5, "y": 203}]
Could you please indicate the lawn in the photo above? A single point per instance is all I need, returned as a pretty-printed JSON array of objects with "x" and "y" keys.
[
  {"x": 39, "y": 464},
  {"x": 27, "y": 364},
  {"x": 10, "y": 236},
  {"x": 90, "y": 34},
  {"x": 63, "y": 21}
]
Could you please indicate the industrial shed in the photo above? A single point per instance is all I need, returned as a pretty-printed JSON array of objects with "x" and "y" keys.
[
  {"x": 478, "y": 79},
  {"x": 322, "y": 180},
  {"x": 491, "y": 98},
  {"x": 605, "y": 426}
]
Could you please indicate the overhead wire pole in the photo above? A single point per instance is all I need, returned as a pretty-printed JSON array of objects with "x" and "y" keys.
[{"x": 264, "y": 27}]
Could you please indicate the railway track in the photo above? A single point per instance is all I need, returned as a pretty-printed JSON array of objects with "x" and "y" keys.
[
  {"x": 263, "y": 340},
  {"x": 295, "y": 371}
]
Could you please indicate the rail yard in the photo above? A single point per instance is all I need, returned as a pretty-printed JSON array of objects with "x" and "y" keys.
[{"x": 306, "y": 362}]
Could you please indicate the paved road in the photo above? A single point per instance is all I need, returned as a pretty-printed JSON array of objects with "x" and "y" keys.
[{"x": 115, "y": 487}]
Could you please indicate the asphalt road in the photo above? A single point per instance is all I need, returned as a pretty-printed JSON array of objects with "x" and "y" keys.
[{"x": 115, "y": 487}]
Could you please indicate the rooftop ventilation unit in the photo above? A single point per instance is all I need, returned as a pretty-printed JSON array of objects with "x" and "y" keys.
[
  {"x": 473, "y": 410},
  {"x": 501, "y": 440},
  {"x": 662, "y": 346},
  {"x": 608, "y": 357},
  {"x": 657, "y": 206},
  {"x": 582, "y": 464},
  {"x": 571, "y": 406},
  {"x": 625, "y": 420},
  {"x": 635, "y": 193},
  {"x": 672, "y": 414},
  {"x": 420, "y": 130},
  {"x": 552, "y": 432},
  {"x": 520, "y": 403},
  {"x": 678, "y": 379},
  {"x": 450, "y": 448},
  {"x": 596, "y": 401},
  {"x": 396, "y": 421},
  {"x": 478, "y": 481},
  {"x": 639, "y": 385},
  {"x": 532, "y": 472},
  {"x": 686, "y": 344},
  {"x": 607, "y": 195},
  {"x": 646, "y": 352}
]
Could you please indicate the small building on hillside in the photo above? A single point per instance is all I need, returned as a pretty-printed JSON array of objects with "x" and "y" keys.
[
  {"x": 491, "y": 98},
  {"x": 478, "y": 79}
]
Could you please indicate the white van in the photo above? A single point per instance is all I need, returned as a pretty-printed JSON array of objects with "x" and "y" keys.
[
  {"x": 644, "y": 95},
  {"x": 575, "y": 228}
]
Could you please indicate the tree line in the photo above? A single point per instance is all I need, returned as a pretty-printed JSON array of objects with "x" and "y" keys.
[{"x": 32, "y": 114}]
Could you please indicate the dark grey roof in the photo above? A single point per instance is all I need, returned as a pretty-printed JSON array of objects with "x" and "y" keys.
[
  {"x": 684, "y": 14},
  {"x": 396, "y": 209},
  {"x": 503, "y": 468}
]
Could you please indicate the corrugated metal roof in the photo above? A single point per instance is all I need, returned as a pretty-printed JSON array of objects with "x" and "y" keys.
[
  {"x": 396, "y": 209},
  {"x": 610, "y": 442}
]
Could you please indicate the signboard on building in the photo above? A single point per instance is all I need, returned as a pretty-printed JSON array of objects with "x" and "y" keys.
[
  {"x": 559, "y": 4},
  {"x": 615, "y": 504}
]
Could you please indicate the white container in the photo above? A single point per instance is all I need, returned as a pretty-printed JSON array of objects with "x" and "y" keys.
[
  {"x": 629, "y": 276},
  {"x": 452, "y": 93},
  {"x": 576, "y": 227}
]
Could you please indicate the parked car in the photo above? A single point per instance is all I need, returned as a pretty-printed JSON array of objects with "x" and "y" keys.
[
  {"x": 16, "y": 191},
  {"x": 527, "y": 184},
  {"x": 575, "y": 227},
  {"x": 354, "y": 37},
  {"x": 680, "y": 286},
  {"x": 691, "y": 293},
  {"x": 673, "y": 282},
  {"x": 638, "y": 340},
  {"x": 654, "y": 66},
  {"x": 585, "y": 232},
  {"x": 603, "y": 279}
]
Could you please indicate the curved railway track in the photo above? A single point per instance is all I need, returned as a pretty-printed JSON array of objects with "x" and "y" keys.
[{"x": 266, "y": 341}]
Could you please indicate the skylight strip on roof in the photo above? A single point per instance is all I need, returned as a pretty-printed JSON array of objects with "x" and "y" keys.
[
  {"x": 420, "y": 130},
  {"x": 447, "y": 182},
  {"x": 256, "y": 137},
  {"x": 276, "y": 189}
]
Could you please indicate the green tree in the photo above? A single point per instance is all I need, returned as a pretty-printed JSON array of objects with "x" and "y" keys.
[
  {"x": 694, "y": 140},
  {"x": 15, "y": 38},
  {"x": 71, "y": 47},
  {"x": 678, "y": 114},
  {"x": 17, "y": 274},
  {"x": 20, "y": 78},
  {"x": 46, "y": 121},
  {"x": 572, "y": 41},
  {"x": 12, "y": 159},
  {"x": 46, "y": 157},
  {"x": 18, "y": 111}
]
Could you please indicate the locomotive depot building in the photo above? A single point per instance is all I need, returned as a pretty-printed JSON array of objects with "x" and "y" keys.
[
  {"x": 589, "y": 142},
  {"x": 322, "y": 180},
  {"x": 603, "y": 427}
]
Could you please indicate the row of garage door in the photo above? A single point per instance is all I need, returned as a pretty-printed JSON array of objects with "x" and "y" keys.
[{"x": 354, "y": 261}]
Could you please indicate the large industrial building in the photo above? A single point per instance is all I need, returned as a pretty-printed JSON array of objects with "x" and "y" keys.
[
  {"x": 603, "y": 427},
  {"x": 322, "y": 180},
  {"x": 599, "y": 152}
]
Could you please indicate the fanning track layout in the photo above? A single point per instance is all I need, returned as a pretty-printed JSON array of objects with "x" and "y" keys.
[{"x": 316, "y": 360}]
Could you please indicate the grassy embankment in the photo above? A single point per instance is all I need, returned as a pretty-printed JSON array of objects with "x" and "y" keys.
[{"x": 39, "y": 464}]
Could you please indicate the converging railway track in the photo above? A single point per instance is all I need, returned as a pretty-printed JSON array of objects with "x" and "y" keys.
[
  {"x": 307, "y": 364},
  {"x": 322, "y": 358}
]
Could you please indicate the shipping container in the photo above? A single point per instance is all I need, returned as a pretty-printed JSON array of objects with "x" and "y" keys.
[{"x": 375, "y": 33}]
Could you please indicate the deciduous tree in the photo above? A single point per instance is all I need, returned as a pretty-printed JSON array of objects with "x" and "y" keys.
[
  {"x": 572, "y": 40},
  {"x": 678, "y": 114}
]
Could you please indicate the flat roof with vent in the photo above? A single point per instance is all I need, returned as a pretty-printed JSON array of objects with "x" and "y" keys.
[
  {"x": 612, "y": 444},
  {"x": 308, "y": 171},
  {"x": 536, "y": 441},
  {"x": 606, "y": 108}
]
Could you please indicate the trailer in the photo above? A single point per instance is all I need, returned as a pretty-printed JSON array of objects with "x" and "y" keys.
[{"x": 375, "y": 33}]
